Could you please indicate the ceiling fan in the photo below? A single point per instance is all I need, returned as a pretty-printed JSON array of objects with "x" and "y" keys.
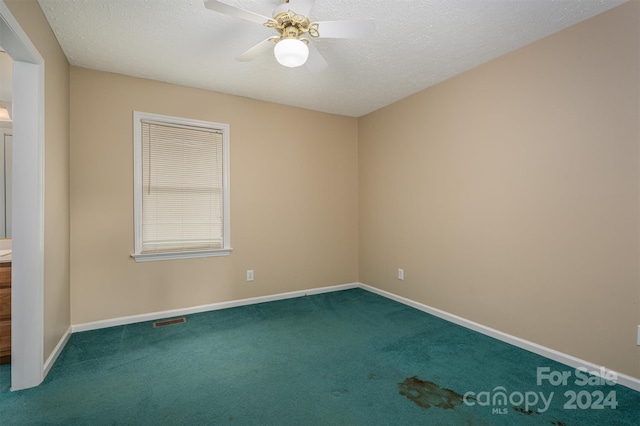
[{"x": 292, "y": 46}]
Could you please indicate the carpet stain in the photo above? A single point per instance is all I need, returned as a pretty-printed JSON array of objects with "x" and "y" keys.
[
  {"x": 523, "y": 411},
  {"x": 428, "y": 394}
]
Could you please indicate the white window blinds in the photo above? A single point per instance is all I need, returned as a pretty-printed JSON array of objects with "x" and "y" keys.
[{"x": 182, "y": 187}]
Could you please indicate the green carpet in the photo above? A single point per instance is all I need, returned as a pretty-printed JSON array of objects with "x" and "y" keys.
[{"x": 349, "y": 357}]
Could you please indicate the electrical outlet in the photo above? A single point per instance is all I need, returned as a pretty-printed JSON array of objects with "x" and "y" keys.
[
  {"x": 249, "y": 274},
  {"x": 639, "y": 335},
  {"x": 401, "y": 274}
]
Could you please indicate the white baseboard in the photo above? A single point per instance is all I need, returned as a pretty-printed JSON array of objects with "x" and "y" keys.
[
  {"x": 205, "y": 308},
  {"x": 56, "y": 353},
  {"x": 622, "y": 379}
]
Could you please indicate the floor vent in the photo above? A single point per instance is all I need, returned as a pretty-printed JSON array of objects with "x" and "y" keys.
[{"x": 169, "y": 322}]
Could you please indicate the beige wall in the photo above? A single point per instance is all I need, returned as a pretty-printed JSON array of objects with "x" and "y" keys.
[
  {"x": 56, "y": 145},
  {"x": 293, "y": 200},
  {"x": 509, "y": 194}
]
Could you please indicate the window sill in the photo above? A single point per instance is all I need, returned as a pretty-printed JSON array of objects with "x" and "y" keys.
[{"x": 174, "y": 255}]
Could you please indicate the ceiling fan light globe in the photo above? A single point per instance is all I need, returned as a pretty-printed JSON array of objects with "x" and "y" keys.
[{"x": 291, "y": 52}]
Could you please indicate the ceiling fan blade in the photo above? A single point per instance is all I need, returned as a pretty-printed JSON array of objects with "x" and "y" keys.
[
  {"x": 301, "y": 7},
  {"x": 223, "y": 7},
  {"x": 358, "y": 28},
  {"x": 315, "y": 62},
  {"x": 256, "y": 50}
]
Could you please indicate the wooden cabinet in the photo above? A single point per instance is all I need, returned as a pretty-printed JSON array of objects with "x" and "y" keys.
[{"x": 5, "y": 313}]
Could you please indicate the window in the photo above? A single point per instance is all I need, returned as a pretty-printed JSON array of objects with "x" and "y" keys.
[{"x": 181, "y": 188}]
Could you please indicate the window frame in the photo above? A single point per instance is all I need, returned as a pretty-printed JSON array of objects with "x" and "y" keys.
[{"x": 138, "y": 255}]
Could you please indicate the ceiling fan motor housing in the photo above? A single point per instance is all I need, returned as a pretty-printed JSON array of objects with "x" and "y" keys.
[
  {"x": 292, "y": 25},
  {"x": 290, "y": 32}
]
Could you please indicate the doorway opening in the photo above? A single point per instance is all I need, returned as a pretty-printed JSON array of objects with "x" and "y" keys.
[
  {"x": 27, "y": 210},
  {"x": 6, "y": 156}
]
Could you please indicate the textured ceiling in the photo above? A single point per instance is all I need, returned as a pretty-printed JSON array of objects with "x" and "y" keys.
[{"x": 417, "y": 44}]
